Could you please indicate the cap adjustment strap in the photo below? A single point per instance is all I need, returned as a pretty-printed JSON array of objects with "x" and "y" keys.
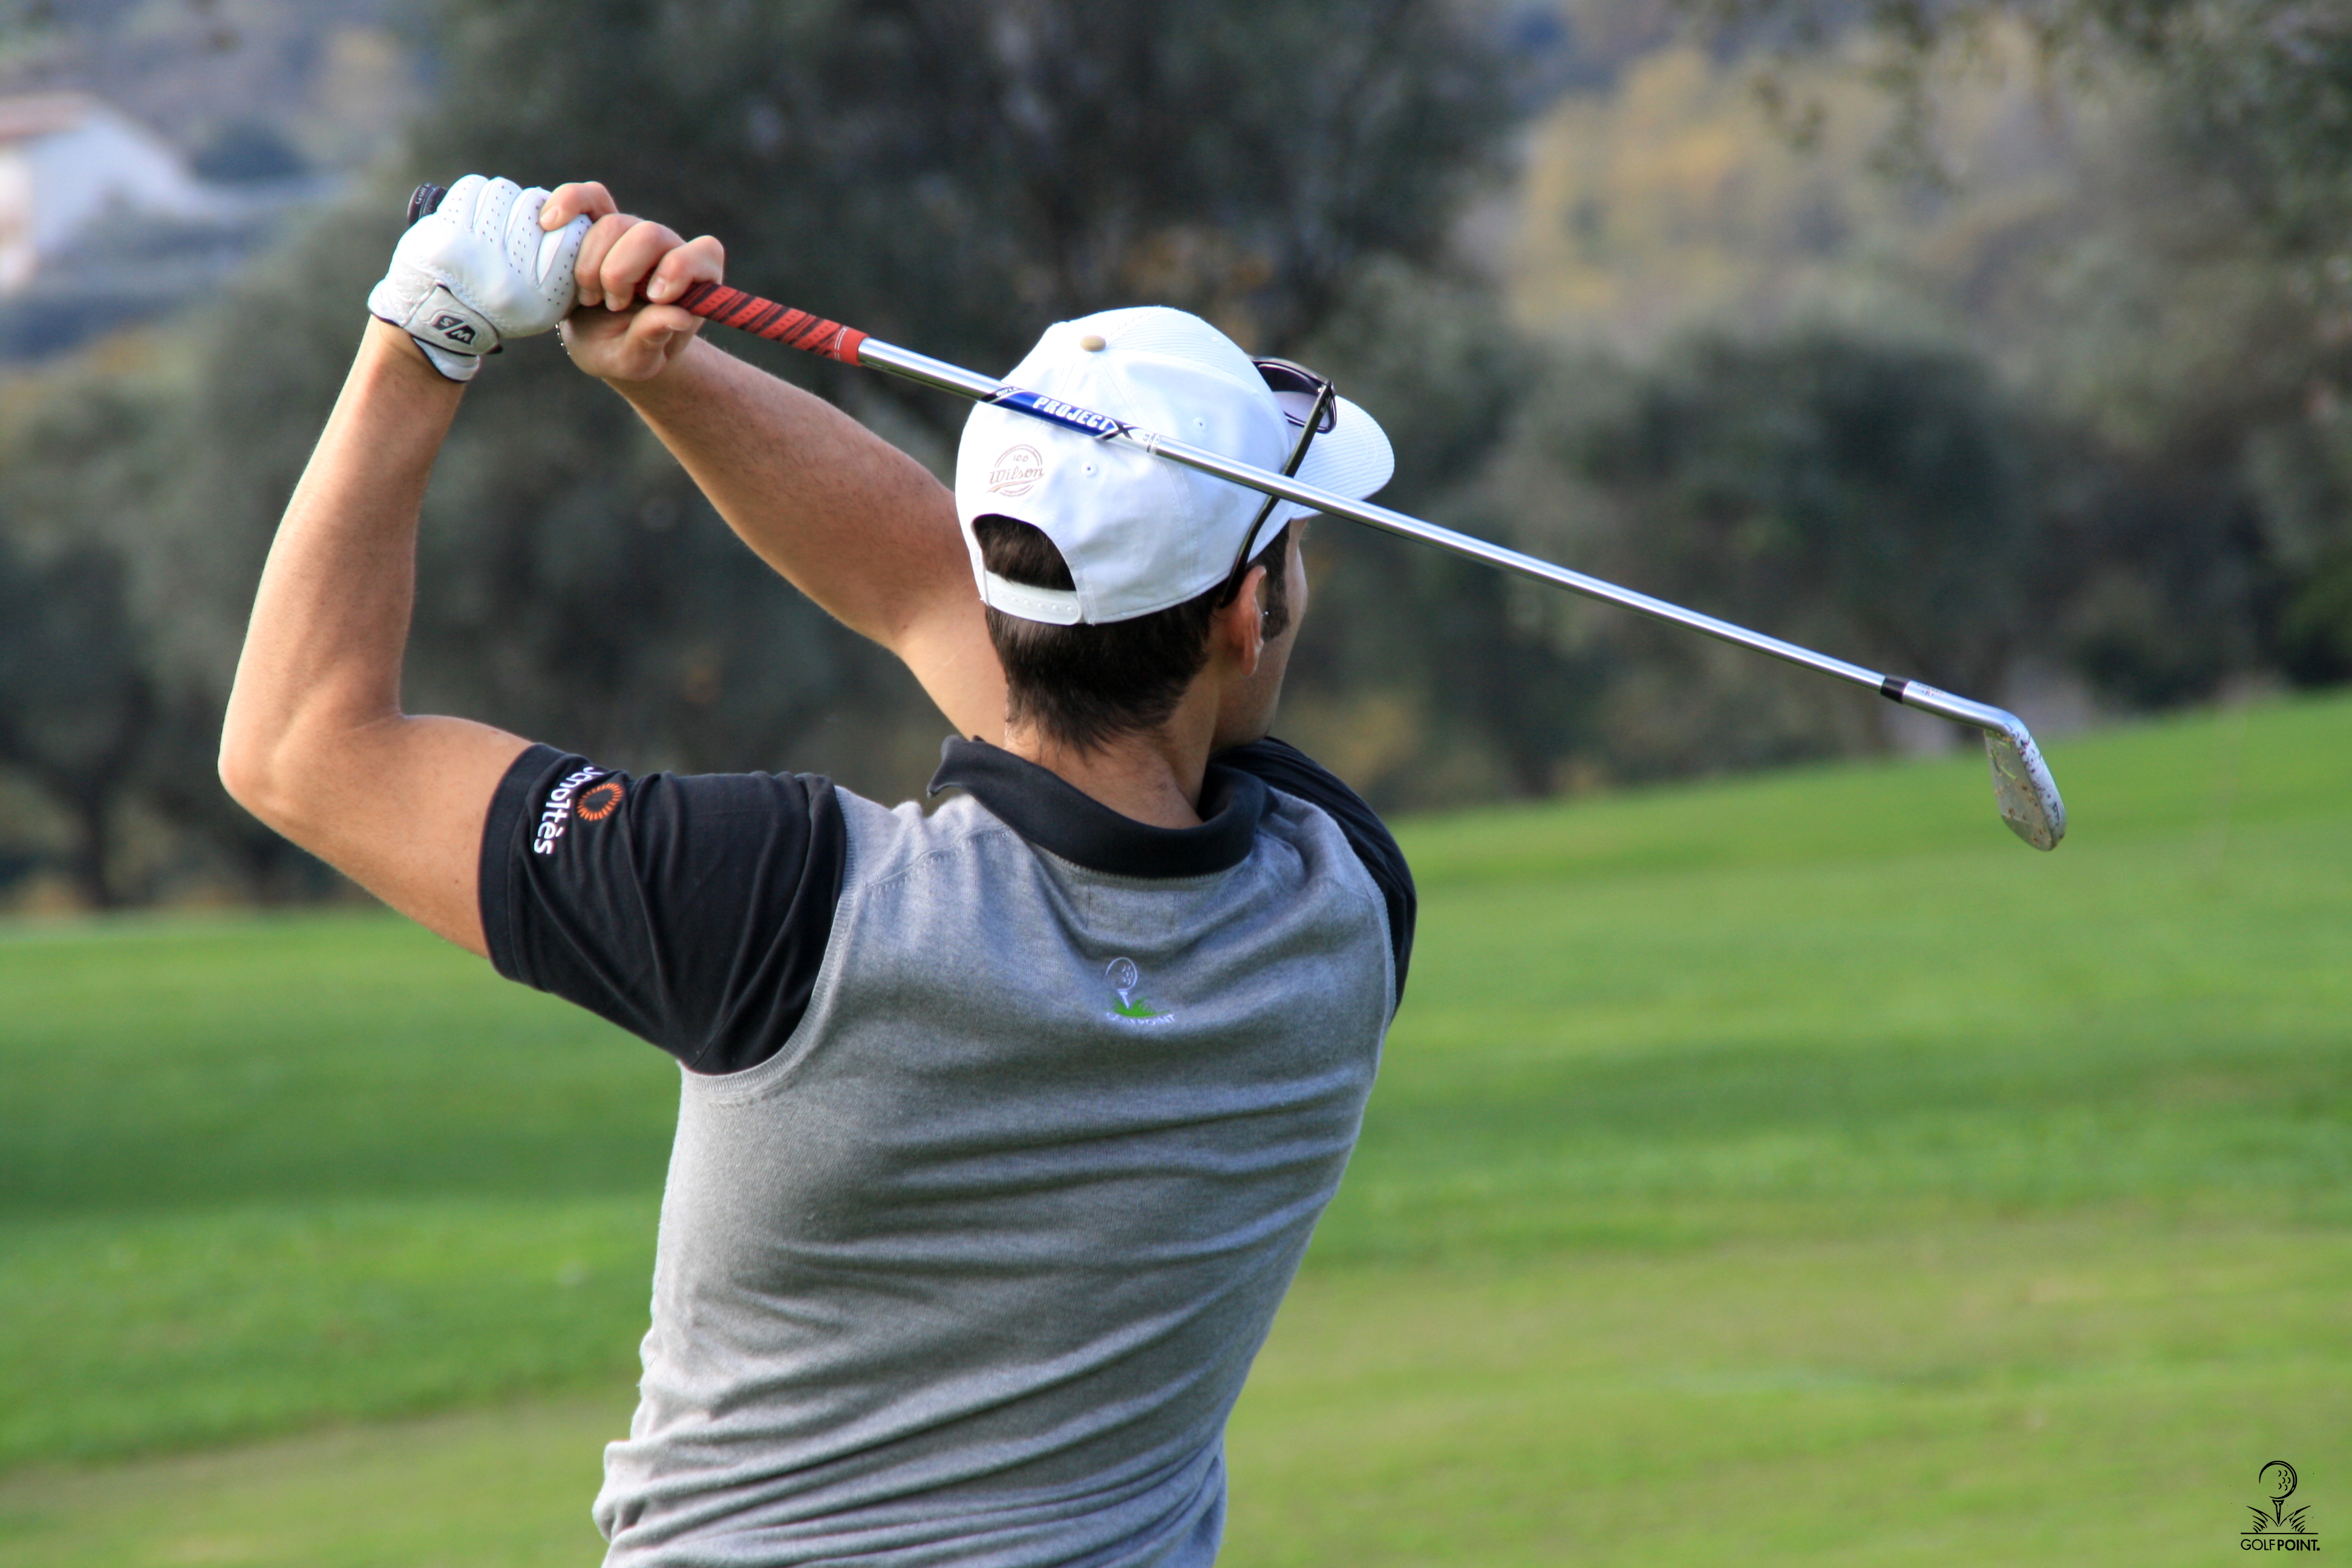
[{"x": 1055, "y": 606}]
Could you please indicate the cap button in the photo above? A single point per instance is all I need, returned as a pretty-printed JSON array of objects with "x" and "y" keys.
[{"x": 1092, "y": 344}]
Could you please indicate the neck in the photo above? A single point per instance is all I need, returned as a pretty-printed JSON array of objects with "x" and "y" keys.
[{"x": 1152, "y": 777}]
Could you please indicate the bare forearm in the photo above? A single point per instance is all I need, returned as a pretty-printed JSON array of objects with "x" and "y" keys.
[
  {"x": 315, "y": 743},
  {"x": 331, "y": 618},
  {"x": 849, "y": 519},
  {"x": 845, "y": 517}
]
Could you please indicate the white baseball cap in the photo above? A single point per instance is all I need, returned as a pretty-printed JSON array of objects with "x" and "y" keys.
[{"x": 1142, "y": 533}]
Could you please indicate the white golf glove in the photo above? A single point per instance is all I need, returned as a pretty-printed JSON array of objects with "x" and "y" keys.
[{"x": 476, "y": 270}]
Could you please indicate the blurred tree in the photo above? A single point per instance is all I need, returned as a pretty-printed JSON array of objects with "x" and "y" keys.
[
  {"x": 1867, "y": 490},
  {"x": 122, "y": 598},
  {"x": 2154, "y": 580},
  {"x": 2301, "y": 475},
  {"x": 949, "y": 176},
  {"x": 2227, "y": 547},
  {"x": 954, "y": 176},
  {"x": 1874, "y": 500},
  {"x": 2261, "y": 87},
  {"x": 77, "y": 701},
  {"x": 1430, "y": 677}
]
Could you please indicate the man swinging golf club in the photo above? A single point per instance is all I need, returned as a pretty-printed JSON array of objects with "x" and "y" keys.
[{"x": 1001, "y": 1130}]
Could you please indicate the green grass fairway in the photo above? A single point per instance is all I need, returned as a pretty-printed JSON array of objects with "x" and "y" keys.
[
  {"x": 259, "y": 1173},
  {"x": 1794, "y": 1169},
  {"x": 2060, "y": 1391}
]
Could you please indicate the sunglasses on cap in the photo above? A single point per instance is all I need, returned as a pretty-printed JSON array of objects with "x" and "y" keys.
[{"x": 1309, "y": 402}]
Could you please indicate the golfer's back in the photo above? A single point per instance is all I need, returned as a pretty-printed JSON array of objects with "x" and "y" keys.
[{"x": 971, "y": 1269}]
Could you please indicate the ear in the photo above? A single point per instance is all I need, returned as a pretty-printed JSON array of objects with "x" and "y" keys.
[{"x": 1239, "y": 630}]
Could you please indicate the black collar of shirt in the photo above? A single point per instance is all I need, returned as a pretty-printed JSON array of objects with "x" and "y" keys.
[{"x": 1056, "y": 815}]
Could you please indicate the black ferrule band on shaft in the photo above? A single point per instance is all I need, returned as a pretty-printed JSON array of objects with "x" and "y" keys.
[{"x": 1892, "y": 688}]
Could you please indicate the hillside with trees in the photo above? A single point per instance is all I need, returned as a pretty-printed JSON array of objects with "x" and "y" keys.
[{"x": 2007, "y": 351}]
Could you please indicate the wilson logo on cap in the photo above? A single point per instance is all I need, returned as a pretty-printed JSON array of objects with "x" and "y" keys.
[{"x": 1016, "y": 471}]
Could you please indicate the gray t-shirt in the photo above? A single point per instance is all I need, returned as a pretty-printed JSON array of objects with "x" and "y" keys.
[{"x": 1002, "y": 1133}]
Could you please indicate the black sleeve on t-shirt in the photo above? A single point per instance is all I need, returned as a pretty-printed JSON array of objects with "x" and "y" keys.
[
  {"x": 1287, "y": 768},
  {"x": 693, "y": 911}
]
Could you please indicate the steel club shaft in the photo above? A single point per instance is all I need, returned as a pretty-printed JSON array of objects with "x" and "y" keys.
[{"x": 2028, "y": 796}]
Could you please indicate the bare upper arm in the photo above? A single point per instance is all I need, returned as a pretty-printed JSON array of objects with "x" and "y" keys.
[
  {"x": 949, "y": 651},
  {"x": 398, "y": 806}
]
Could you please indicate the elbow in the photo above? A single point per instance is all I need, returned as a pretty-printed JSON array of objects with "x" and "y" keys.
[
  {"x": 244, "y": 773},
  {"x": 288, "y": 763},
  {"x": 259, "y": 774}
]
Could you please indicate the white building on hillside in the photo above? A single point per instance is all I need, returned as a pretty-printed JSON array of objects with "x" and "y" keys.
[{"x": 66, "y": 161}]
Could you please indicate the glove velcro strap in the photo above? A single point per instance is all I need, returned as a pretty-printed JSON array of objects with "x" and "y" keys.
[
  {"x": 456, "y": 367},
  {"x": 441, "y": 318}
]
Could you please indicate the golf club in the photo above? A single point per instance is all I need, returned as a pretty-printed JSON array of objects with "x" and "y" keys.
[{"x": 2022, "y": 788}]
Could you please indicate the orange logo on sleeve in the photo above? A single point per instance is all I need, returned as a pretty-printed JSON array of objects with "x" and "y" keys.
[{"x": 600, "y": 802}]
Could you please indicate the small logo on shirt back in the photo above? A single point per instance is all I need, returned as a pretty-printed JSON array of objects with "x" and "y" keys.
[{"x": 1125, "y": 978}]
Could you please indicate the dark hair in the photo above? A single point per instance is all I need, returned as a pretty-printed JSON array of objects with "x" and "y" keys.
[{"x": 1086, "y": 685}]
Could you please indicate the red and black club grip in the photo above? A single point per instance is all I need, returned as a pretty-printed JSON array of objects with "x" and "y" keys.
[
  {"x": 728, "y": 306},
  {"x": 777, "y": 323}
]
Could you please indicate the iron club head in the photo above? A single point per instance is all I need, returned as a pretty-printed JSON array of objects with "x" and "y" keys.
[{"x": 2021, "y": 785}]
